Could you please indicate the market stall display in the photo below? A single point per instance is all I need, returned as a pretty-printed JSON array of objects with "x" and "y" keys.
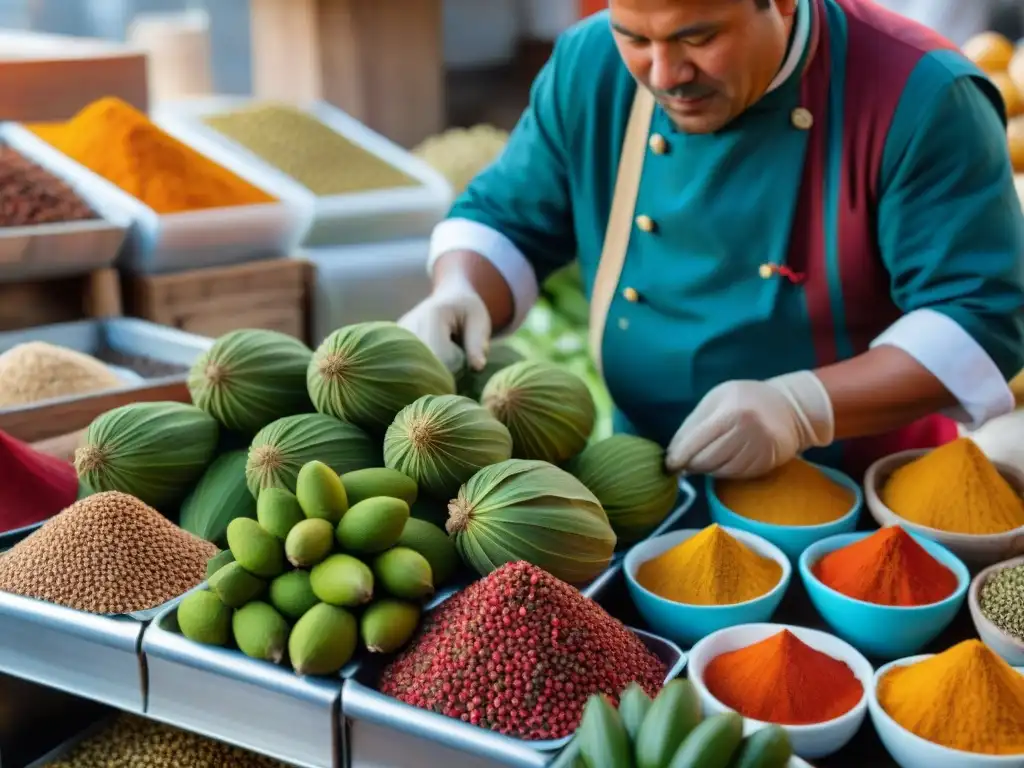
[
  {"x": 31, "y": 195},
  {"x": 996, "y": 603},
  {"x": 1003, "y": 62},
  {"x": 459, "y": 154},
  {"x": 35, "y": 371}
]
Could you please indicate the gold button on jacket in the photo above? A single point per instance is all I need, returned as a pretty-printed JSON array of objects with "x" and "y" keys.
[
  {"x": 646, "y": 223},
  {"x": 802, "y": 118}
]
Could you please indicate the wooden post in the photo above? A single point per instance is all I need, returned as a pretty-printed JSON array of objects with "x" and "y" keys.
[{"x": 381, "y": 62}]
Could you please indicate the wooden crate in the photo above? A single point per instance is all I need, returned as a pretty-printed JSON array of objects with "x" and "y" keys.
[
  {"x": 44, "y": 302},
  {"x": 272, "y": 294}
]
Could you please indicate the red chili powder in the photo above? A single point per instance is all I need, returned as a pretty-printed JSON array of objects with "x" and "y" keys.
[
  {"x": 519, "y": 652},
  {"x": 35, "y": 486},
  {"x": 783, "y": 680},
  {"x": 887, "y": 568}
]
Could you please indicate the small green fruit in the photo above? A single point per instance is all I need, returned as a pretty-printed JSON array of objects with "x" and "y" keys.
[
  {"x": 323, "y": 640},
  {"x": 260, "y": 632},
  {"x": 320, "y": 492},
  {"x": 235, "y": 586},
  {"x": 255, "y": 549},
  {"x": 203, "y": 618},
  {"x": 343, "y": 581},
  {"x": 278, "y": 511},
  {"x": 387, "y": 625},
  {"x": 218, "y": 561},
  {"x": 370, "y": 483},
  {"x": 292, "y": 594},
  {"x": 309, "y": 542},
  {"x": 372, "y": 525},
  {"x": 434, "y": 544},
  {"x": 404, "y": 573}
]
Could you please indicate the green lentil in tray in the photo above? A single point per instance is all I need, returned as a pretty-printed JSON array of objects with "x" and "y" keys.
[
  {"x": 134, "y": 742},
  {"x": 1002, "y": 600},
  {"x": 312, "y": 153}
]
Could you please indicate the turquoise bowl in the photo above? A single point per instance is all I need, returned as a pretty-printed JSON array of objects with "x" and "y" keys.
[
  {"x": 883, "y": 631},
  {"x": 791, "y": 539},
  {"x": 687, "y": 624}
]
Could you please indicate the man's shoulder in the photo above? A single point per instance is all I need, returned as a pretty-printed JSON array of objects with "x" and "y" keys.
[{"x": 587, "y": 59}]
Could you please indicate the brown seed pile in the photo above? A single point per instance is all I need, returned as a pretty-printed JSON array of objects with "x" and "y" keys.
[
  {"x": 134, "y": 742},
  {"x": 519, "y": 652},
  {"x": 31, "y": 195},
  {"x": 108, "y": 553},
  {"x": 37, "y": 371}
]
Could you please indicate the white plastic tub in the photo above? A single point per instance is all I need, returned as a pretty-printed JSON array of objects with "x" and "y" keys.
[
  {"x": 173, "y": 242},
  {"x": 348, "y": 219}
]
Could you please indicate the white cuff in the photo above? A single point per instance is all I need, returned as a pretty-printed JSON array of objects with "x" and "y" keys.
[
  {"x": 952, "y": 355},
  {"x": 468, "y": 235}
]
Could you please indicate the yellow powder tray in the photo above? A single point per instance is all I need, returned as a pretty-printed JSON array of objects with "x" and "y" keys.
[
  {"x": 396, "y": 213},
  {"x": 161, "y": 243}
]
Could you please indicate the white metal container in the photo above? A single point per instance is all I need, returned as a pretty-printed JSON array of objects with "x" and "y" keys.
[
  {"x": 358, "y": 217},
  {"x": 175, "y": 242},
  {"x": 357, "y": 283}
]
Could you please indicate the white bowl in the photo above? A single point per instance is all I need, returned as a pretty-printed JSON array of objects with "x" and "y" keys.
[
  {"x": 976, "y": 551},
  {"x": 809, "y": 741},
  {"x": 1003, "y": 643},
  {"x": 911, "y": 751}
]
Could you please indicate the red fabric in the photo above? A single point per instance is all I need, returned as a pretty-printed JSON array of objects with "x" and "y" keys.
[{"x": 33, "y": 485}]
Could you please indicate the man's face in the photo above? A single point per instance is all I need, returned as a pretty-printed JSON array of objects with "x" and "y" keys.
[{"x": 706, "y": 61}]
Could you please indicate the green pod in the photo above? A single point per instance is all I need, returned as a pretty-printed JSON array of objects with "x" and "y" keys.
[
  {"x": 251, "y": 377},
  {"x": 153, "y": 451},
  {"x": 220, "y": 496},
  {"x": 548, "y": 410},
  {"x": 367, "y": 372},
  {"x": 532, "y": 511},
  {"x": 634, "y": 703},
  {"x": 281, "y": 449},
  {"x": 500, "y": 356},
  {"x": 441, "y": 441},
  {"x": 604, "y": 742},
  {"x": 627, "y": 474}
]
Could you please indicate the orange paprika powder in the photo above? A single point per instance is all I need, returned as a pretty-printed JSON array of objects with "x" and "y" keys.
[
  {"x": 887, "y": 568},
  {"x": 783, "y": 680}
]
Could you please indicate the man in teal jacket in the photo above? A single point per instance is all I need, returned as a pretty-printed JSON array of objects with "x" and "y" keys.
[{"x": 798, "y": 234}]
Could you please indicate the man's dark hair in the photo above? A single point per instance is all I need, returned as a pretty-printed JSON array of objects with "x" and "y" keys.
[{"x": 763, "y": 4}]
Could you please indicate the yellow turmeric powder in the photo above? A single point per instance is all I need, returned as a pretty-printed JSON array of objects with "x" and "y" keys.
[
  {"x": 966, "y": 698},
  {"x": 954, "y": 488},
  {"x": 116, "y": 141},
  {"x": 711, "y": 568},
  {"x": 797, "y": 493}
]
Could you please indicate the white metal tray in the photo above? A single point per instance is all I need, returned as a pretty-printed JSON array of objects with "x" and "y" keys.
[
  {"x": 362, "y": 217},
  {"x": 256, "y": 705},
  {"x": 95, "y": 657},
  {"x": 173, "y": 242}
]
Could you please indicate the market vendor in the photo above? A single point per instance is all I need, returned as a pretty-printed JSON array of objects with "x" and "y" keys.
[{"x": 822, "y": 253}]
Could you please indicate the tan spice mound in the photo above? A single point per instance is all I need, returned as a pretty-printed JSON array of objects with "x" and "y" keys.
[
  {"x": 38, "y": 371},
  {"x": 955, "y": 488},
  {"x": 108, "y": 553},
  {"x": 797, "y": 493},
  {"x": 134, "y": 742}
]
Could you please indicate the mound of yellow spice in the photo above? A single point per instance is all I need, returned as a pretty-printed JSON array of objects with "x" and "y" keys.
[
  {"x": 955, "y": 488},
  {"x": 797, "y": 493},
  {"x": 119, "y": 143},
  {"x": 966, "y": 698},
  {"x": 711, "y": 568}
]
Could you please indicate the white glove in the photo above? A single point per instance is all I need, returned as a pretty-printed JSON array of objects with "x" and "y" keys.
[
  {"x": 453, "y": 310},
  {"x": 748, "y": 428}
]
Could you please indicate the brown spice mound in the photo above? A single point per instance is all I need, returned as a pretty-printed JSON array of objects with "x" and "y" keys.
[
  {"x": 134, "y": 742},
  {"x": 108, "y": 553},
  {"x": 519, "y": 652}
]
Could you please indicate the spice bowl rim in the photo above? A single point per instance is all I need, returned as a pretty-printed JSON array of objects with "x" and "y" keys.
[
  {"x": 983, "y": 623},
  {"x": 928, "y": 750},
  {"x": 833, "y": 543},
  {"x": 882, "y": 468},
  {"x": 761, "y": 546},
  {"x": 833, "y": 474}
]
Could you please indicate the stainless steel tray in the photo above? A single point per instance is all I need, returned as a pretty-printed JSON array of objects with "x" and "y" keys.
[
  {"x": 64, "y": 749},
  {"x": 68, "y": 248},
  {"x": 222, "y": 694},
  {"x": 687, "y": 497},
  {"x": 95, "y": 657},
  {"x": 167, "y": 353},
  {"x": 359, "y": 217},
  {"x": 382, "y": 732},
  {"x": 158, "y": 243}
]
